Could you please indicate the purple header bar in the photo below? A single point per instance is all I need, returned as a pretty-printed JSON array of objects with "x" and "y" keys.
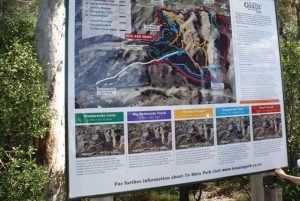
[{"x": 149, "y": 115}]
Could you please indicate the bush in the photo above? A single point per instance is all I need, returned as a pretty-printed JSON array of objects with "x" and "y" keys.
[
  {"x": 23, "y": 114},
  {"x": 21, "y": 179}
]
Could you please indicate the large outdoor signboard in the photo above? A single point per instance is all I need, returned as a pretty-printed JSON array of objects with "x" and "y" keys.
[{"x": 166, "y": 92}]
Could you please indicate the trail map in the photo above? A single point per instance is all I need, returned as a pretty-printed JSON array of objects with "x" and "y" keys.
[{"x": 153, "y": 53}]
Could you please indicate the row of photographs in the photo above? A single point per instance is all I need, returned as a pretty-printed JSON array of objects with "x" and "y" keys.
[{"x": 108, "y": 139}]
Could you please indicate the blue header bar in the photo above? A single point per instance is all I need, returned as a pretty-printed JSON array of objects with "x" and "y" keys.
[{"x": 232, "y": 111}]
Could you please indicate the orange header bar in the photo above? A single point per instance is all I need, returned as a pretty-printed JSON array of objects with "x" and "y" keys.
[{"x": 193, "y": 113}]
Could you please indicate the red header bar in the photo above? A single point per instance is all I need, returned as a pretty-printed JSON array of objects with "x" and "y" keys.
[
  {"x": 265, "y": 109},
  {"x": 139, "y": 37}
]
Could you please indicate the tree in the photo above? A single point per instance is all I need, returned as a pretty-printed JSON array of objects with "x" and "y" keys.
[
  {"x": 50, "y": 39},
  {"x": 289, "y": 15},
  {"x": 291, "y": 60},
  {"x": 289, "y": 11}
]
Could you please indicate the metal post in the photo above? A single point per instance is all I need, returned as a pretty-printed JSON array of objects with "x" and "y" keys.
[
  {"x": 108, "y": 198},
  {"x": 257, "y": 188},
  {"x": 184, "y": 193},
  {"x": 270, "y": 191},
  {"x": 273, "y": 194}
]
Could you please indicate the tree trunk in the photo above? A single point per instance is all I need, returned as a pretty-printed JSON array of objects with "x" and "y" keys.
[
  {"x": 298, "y": 19},
  {"x": 50, "y": 39}
]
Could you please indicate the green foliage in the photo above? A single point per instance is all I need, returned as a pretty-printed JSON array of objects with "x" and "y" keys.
[
  {"x": 232, "y": 185},
  {"x": 18, "y": 7},
  {"x": 287, "y": 13},
  {"x": 21, "y": 179},
  {"x": 165, "y": 194},
  {"x": 23, "y": 105},
  {"x": 290, "y": 49},
  {"x": 24, "y": 112},
  {"x": 16, "y": 29}
]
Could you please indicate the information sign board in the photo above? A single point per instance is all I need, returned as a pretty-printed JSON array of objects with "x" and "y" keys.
[{"x": 165, "y": 92}]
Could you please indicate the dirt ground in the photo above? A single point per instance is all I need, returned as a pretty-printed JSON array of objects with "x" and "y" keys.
[{"x": 207, "y": 196}]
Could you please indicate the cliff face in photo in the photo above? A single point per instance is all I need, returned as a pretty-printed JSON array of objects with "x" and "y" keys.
[{"x": 149, "y": 137}]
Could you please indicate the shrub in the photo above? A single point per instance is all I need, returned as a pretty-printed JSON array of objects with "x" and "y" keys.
[
  {"x": 23, "y": 111},
  {"x": 21, "y": 179}
]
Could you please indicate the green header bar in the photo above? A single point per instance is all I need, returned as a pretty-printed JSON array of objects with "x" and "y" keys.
[{"x": 99, "y": 117}]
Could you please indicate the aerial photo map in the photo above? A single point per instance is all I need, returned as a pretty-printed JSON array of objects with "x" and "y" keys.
[{"x": 131, "y": 53}]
